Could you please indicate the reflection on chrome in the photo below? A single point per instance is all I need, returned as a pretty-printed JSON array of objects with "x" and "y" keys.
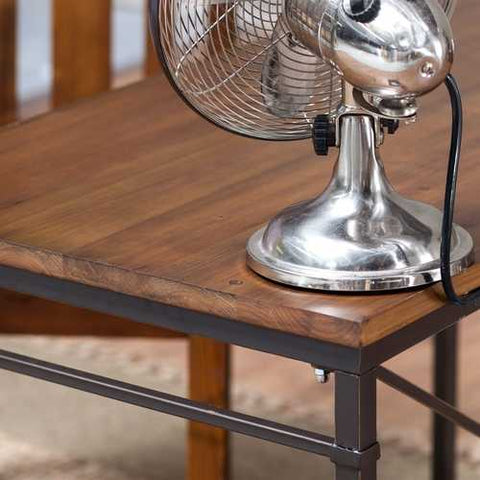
[{"x": 406, "y": 49}]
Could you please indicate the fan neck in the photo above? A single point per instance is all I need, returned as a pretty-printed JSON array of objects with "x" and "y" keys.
[{"x": 359, "y": 168}]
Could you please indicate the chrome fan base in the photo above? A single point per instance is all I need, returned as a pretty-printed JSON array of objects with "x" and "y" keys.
[
  {"x": 359, "y": 235},
  {"x": 270, "y": 266}
]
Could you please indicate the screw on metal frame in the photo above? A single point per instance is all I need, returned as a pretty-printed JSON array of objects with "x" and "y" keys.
[{"x": 321, "y": 375}]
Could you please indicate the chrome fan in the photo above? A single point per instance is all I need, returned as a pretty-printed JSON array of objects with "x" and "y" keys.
[{"x": 345, "y": 72}]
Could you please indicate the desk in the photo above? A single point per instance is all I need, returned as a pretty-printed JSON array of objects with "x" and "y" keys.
[{"x": 131, "y": 205}]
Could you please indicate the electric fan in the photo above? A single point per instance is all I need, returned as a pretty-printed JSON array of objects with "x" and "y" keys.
[{"x": 346, "y": 73}]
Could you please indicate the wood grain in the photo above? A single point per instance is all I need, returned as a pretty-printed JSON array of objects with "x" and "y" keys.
[
  {"x": 209, "y": 383},
  {"x": 81, "y": 48},
  {"x": 134, "y": 193},
  {"x": 7, "y": 60},
  {"x": 77, "y": 25}
]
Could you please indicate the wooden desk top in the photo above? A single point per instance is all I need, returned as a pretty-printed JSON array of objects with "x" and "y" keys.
[{"x": 134, "y": 193}]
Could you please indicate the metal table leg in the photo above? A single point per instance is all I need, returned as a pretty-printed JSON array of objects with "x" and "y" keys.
[
  {"x": 445, "y": 385},
  {"x": 356, "y": 422}
]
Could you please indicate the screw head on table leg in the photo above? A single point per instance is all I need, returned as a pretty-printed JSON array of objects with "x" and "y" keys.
[{"x": 321, "y": 375}]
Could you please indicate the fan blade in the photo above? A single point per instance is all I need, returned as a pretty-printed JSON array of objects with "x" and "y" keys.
[{"x": 289, "y": 74}]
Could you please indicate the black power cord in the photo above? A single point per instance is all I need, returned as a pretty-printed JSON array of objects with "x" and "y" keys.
[{"x": 450, "y": 195}]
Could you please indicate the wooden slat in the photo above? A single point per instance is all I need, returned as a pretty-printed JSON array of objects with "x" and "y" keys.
[
  {"x": 151, "y": 65},
  {"x": 151, "y": 62},
  {"x": 7, "y": 60},
  {"x": 26, "y": 315},
  {"x": 209, "y": 382},
  {"x": 81, "y": 48}
]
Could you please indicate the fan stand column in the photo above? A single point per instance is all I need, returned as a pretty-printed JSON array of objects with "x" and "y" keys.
[{"x": 356, "y": 422}]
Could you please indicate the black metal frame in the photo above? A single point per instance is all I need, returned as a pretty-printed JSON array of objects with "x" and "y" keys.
[
  {"x": 445, "y": 385},
  {"x": 354, "y": 450}
]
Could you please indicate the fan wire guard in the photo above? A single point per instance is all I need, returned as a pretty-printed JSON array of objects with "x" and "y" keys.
[{"x": 230, "y": 59}]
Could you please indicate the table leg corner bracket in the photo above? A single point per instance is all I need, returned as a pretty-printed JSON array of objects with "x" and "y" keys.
[{"x": 354, "y": 458}]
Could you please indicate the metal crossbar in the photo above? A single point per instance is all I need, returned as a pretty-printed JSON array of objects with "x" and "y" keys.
[
  {"x": 439, "y": 406},
  {"x": 188, "y": 409}
]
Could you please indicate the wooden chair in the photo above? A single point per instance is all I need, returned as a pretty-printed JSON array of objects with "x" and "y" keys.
[{"x": 82, "y": 68}]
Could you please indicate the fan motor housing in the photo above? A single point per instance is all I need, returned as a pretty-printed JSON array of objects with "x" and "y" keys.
[{"x": 405, "y": 49}]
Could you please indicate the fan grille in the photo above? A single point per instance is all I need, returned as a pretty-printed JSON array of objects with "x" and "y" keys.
[{"x": 230, "y": 59}]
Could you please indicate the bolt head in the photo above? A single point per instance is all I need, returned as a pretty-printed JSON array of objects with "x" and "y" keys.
[{"x": 321, "y": 375}]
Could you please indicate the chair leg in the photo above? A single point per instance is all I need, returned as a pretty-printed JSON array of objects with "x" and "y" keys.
[{"x": 209, "y": 382}]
